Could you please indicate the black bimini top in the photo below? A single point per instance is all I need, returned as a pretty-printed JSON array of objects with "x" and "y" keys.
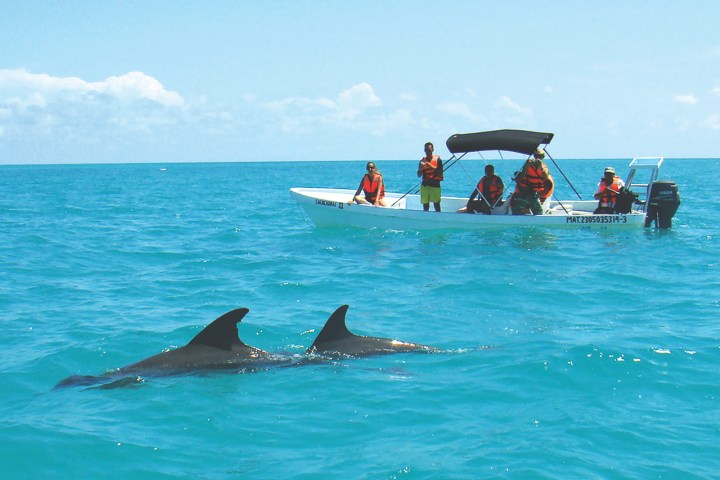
[{"x": 519, "y": 141}]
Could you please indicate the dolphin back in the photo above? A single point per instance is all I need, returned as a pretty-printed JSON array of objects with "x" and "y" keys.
[
  {"x": 335, "y": 338},
  {"x": 222, "y": 333},
  {"x": 218, "y": 347},
  {"x": 334, "y": 329},
  {"x": 226, "y": 350}
]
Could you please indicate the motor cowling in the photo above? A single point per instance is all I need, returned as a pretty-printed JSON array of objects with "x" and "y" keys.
[{"x": 662, "y": 203}]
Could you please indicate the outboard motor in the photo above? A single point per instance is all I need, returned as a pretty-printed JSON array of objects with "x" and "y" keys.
[{"x": 662, "y": 204}]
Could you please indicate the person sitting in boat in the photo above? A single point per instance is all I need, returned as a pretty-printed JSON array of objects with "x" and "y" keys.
[
  {"x": 373, "y": 187},
  {"x": 534, "y": 186},
  {"x": 607, "y": 191},
  {"x": 431, "y": 171},
  {"x": 488, "y": 191}
]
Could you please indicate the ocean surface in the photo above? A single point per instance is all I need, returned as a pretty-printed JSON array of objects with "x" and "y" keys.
[{"x": 565, "y": 354}]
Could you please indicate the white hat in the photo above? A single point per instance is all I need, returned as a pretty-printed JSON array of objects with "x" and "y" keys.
[{"x": 610, "y": 170}]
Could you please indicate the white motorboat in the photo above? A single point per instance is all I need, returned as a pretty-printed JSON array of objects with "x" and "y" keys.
[{"x": 654, "y": 200}]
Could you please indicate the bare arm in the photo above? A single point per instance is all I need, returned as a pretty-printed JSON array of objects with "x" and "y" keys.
[
  {"x": 381, "y": 184},
  {"x": 357, "y": 192}
]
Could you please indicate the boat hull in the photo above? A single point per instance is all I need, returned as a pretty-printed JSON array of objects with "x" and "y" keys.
[{"x": 328, "y": 207}]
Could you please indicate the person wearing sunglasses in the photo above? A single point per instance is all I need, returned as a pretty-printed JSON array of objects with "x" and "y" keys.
[{"x": 372, "y": 186}]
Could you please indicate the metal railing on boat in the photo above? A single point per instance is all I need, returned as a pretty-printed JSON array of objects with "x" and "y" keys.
[{"x": 643, "y": 163}]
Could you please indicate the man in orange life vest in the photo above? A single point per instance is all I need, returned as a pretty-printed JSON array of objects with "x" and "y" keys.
[
  {"x": 373, "y": 186},
  {"x": 431, "y": 171},
  {"x": 534, "y": 185},
  {"x": 489, "y": 190},
  {"x": 607, "y": 192}
]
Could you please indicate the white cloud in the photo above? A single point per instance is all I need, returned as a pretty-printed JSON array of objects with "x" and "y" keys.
[
  {"x": 134, "y": 111},
  {"x": 713, "y": 122},
  {"x": 298, "y": 104},
  {"x": 22, "y": 79},
  {"x": 128, "y": 87},
  {"x": 348, "y": 105},
  {"x": 352, "y": 108},
  {"x": 511, "y": 112},
  {"x": 506, "y": 103},
  {"x": 715, "y": 91},
  {"x": 137, "y": 85},
  {"x": 688, "y": 99},
  {"x": 396, "y": 120},
  {"x": 33, "y": 99},
  {"x": 72, "y": 109},
  {"x": 461, "y": 110},
  {"x": 353, "y": 101}
]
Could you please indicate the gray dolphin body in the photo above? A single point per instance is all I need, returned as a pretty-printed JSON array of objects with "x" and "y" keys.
[
  {"x": 336, "y": 340},
  {"x": 216, "y": 347}
]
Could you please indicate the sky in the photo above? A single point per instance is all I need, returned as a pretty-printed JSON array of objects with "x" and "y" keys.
[{"x": 195, "y": 81}]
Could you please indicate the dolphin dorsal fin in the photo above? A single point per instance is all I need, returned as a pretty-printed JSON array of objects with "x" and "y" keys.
[
  {"x": 334, "y": 328},
  {"x": 223, "y": 332}
]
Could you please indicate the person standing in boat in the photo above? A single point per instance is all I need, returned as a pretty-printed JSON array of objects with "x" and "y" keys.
[
  {"x": 373, "y": 186},
  {"x": 534, "y": 185},
  {"x": 431, "y": 171},
  {"x": 488, "y": 191},
  {"x": 607, "y": 191}
]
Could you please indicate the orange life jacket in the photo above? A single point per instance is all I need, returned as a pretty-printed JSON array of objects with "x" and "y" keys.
[
  {"x": 432, "y": 172},
  {"x": 536, "y": 177},
  {"x": 550, "y": 188},
  {"x": 609, "y": 197},
  {"x": 370, "y": 186},
  {"x": 494, "y": 188}
]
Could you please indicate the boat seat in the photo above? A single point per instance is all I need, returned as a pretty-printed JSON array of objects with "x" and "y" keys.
[
  {"x": 558, "y": 209},
  {"x": 503, "y": 209},
  {"x": 546, "y": 205}
]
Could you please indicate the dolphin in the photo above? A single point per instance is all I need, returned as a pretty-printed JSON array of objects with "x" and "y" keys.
[
  {"x": 216, "y": 347},
  {"x": 335, "y": 340}
]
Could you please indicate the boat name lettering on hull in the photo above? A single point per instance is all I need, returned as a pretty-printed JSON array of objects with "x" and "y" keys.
[
  {"x": 597, "y": 219},
  {"x": 326, "y": 203}
]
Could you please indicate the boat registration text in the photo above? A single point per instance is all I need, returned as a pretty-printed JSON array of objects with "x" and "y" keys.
[{"x": 597, "y": 219}]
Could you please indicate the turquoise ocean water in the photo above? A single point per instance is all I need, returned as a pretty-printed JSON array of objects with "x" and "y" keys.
[{"x": 566, "y": 354}]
